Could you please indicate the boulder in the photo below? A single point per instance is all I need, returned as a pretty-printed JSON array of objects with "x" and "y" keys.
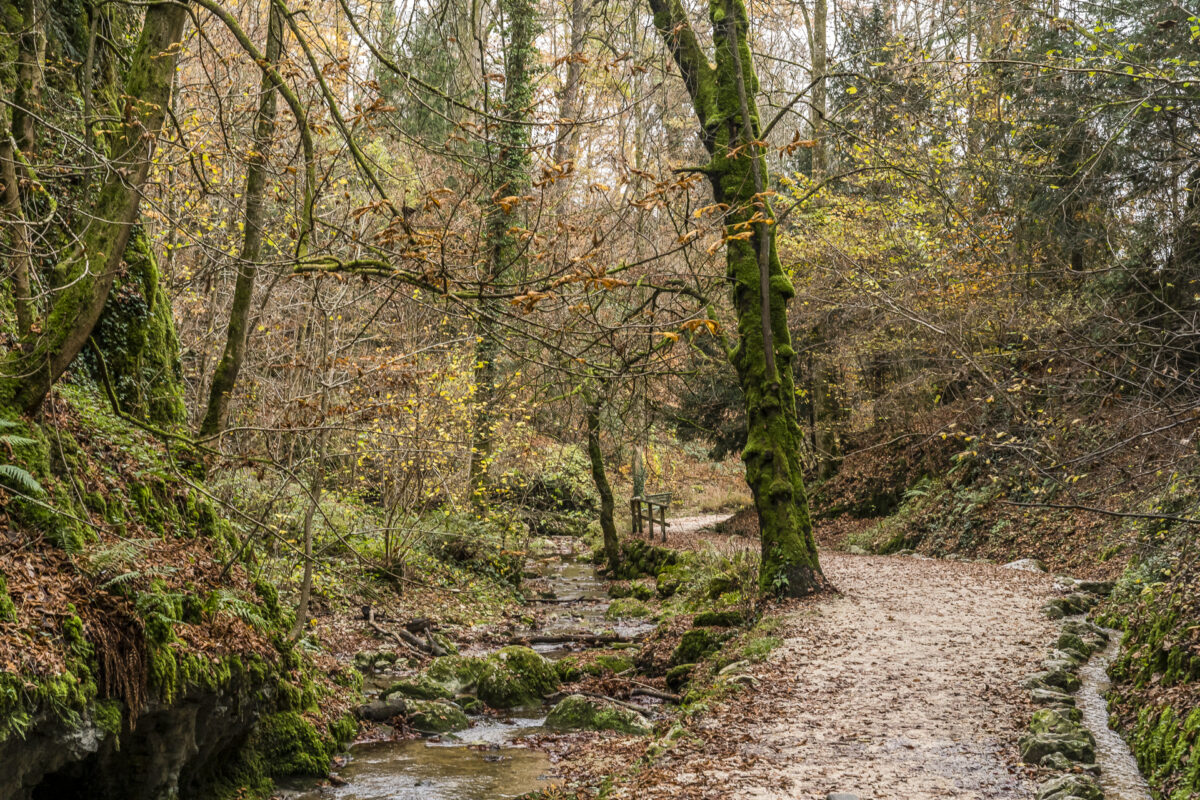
[
  {"x": 579, "y": 713},
  {"x": 457, "y": 674},
  {"x": 435, "y": 716},
  {"x": 1070, "y": 786},
  {"x": 383, "y": 710},
  {"x": 421, "y": 687},
  {"x": 515, "y": 676}
]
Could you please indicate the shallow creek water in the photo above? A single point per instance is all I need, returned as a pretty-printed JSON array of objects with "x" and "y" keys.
[
  {"x": 489, "y": 760},
  {"x": 1119, "y": 776}
]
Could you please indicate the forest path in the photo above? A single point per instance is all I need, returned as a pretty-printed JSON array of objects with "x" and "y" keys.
[{"x": 902, "y": 686}]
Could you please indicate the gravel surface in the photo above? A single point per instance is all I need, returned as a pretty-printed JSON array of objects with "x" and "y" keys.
[{"x": 903, "y": 686}]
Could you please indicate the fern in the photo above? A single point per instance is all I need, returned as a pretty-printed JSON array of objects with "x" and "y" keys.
[
  {"x": 20, "y": 479},
  {"x": 228, "y": 602},
  {"x": 12, "y": 475}
]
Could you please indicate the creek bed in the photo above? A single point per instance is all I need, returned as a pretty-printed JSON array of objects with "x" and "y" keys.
[{"x": 488, "y": 760}]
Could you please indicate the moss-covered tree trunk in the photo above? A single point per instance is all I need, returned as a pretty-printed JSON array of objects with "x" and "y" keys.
[
  {"x": 608, "y": 525},
  {"x": 226, "y": 373},
  {"x": 89, "y": 270},
  {"x": 723, "y": 100},
  {"x": 508, "y": 178}
]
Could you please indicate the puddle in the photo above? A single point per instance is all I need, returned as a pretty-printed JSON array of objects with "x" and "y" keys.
[{"x": 1119, "y": 775}]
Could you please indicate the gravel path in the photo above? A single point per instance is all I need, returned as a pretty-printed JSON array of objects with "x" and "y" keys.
[{"x": 902, "y": 687}]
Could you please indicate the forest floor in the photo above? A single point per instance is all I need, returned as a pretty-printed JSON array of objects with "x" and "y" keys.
[{"x": 902, "y": 684}]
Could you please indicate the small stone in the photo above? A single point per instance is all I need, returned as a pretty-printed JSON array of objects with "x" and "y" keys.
[
  {"x": 1026, "y": 565},
  {"x": 855, "y": 550},
  {"x": 840, "y": 796},
  {"x": 1050, "y": 697}
]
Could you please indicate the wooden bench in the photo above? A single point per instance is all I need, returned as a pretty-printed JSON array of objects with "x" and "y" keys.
[{"x": 658, "y": 501}]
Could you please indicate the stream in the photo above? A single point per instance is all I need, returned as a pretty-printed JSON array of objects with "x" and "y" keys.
[
  {"x": 1119, "y": 775},
  {"x": 489, "y": 760}
]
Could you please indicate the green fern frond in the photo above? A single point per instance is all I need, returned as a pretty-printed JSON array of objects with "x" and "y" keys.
[
  {"x": 15, "y": 440},
  {"x": 20, "y": 479}
]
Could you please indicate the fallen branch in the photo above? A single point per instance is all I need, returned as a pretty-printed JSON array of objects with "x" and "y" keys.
[
  {"x": 639, "y": 691},
  {"x": 410, "y": 640}
]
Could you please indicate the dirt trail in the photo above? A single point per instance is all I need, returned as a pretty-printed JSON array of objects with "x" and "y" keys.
[{"x": 902, "y": 687}]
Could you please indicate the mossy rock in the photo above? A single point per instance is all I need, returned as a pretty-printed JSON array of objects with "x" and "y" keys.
[
  {"x": 515, "y": 676},
  {"x": 1050, "y": 720},
  {"x": 569, "y": 669},
  {"x": 579, "y": 713},
  {"x": 642, "y": 590},
  {"x": 470, "y": 704},
  {"x": 1056, "y": 679},
  {"x": 695, "y": 645},
  {"x": 1078, "y": 748},
  {"x": 719, "y": 585},
  {"x": 435, "y": 716},
  {"x": 719, "y": 619},
  {"x": 667, "y": 585},
  {"x": 457, "y": 674},
  {"x": 421, "y": 687},
  {"x": 627, "y": 608},
  {"x": 678, "y": 677},
  {"x": 1071, "y": 643},
  {"x": 612, "y": 663},
  {"x": 1070, "y": 787},
  {"x": 620, "y": 589},
  {"x": 289, "y": 745}
]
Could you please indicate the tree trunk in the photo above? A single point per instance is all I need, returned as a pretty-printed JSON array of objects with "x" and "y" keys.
[
  {"x": 568, "y": 102},
  {"x": 826, "y": 410},
  {"x": 820, "y": 68},
  {"x": 509, "y": 177},
  {"x": 31, "y": 54},
  {"x": 225, "y": 376},
  {"x": 40, "y": 359},
  {"x": 608, "y": 525},
  {"x": 723, "y": 100},
  {"x": 18, "y": 236}
]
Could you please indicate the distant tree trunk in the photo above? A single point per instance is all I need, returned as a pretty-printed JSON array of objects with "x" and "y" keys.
[
  {"x": 820, "y": 68},
  {"x": 317, "y": 484},
  {"x": 825, "y": 408},
  {"x": 723, "y": 100},
  {"x": 509, "y": 177},
  {"x": 638, "y": 472},
  {"x": 89, "y": 270},
  {"x": 568, "y": 102},
  {"x": 608, "y": 525},
  {"x": 226, "y": 374},
  {"x": 18, "y": 235},
  {"x": 31, "y": 55}
]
